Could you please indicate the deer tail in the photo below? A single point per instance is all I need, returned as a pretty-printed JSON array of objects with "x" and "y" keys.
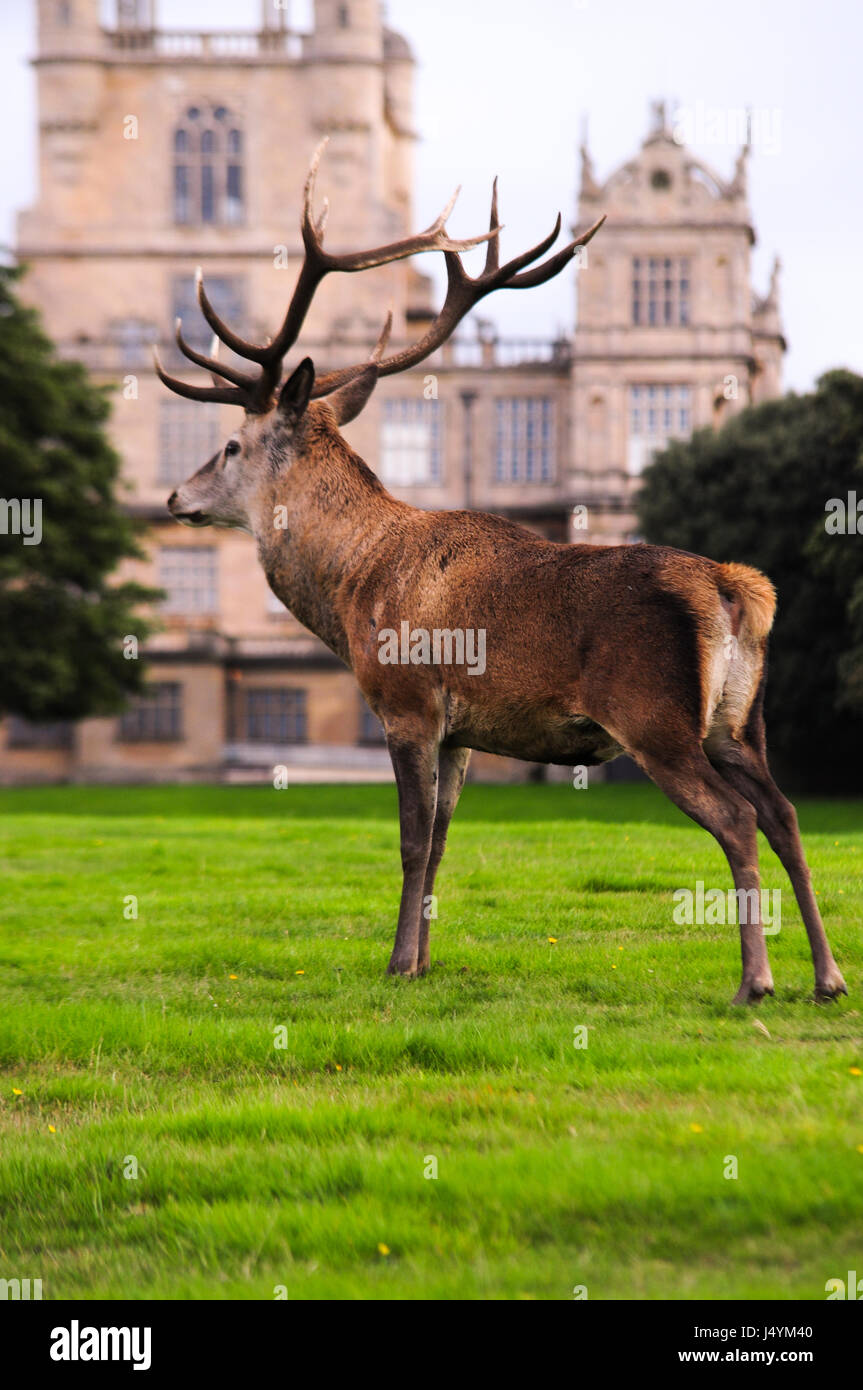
[{"x": 755, "y": 595}]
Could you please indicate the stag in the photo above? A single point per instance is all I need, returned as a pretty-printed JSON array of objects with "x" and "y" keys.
[{"x": 592, "y": 651}]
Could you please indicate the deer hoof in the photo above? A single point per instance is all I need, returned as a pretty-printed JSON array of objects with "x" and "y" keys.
[
  {"x": 753, "y": 991},
  {"x": 830, "y": 987},
  {"x": 407, "y": 969}
]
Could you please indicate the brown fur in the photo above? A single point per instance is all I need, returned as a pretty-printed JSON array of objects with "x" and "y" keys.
[{"x": 590, "y": 651}]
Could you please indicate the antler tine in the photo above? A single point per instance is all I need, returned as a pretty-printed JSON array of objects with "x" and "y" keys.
[
  {"x": 226, "y": 395},
  {"x": 253, "y": 352},
  {"x": 380, "y": 346},
  {"x": 462, "y": 294},
  {"x": 492, "y": 255},
  {"x": 434, "y": 238},
  {"x": 307, "y": 223},
  {"x": 331, "y": 381},
  {"x": 443, "y": 217},
  {"x": 541, "y": 273},
  {"x": 503, "y": 274},
  {"x": 214, "y": 354},
  {"x": 219, "y": 371},
  {"x": 458, "y": 301}
]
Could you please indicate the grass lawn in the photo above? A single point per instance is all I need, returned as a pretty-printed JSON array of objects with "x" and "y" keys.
[{"x": 149, "y": 1043}]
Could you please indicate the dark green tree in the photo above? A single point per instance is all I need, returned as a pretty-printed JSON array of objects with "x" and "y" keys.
[
  {"x": 759, "y": 491},
  {"x": 62, "y": 620}
]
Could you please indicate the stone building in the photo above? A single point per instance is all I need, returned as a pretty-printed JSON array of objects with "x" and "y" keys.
[
  {"x": 669, "y": 335},
  {"x": 160, "y": 151}
]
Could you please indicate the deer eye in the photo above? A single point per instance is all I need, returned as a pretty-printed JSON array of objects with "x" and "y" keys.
[{"x": 231, "y": 448}]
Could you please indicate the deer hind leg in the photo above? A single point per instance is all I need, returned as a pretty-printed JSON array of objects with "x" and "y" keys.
[
  {"x": 415, "y": 767},
  {"x": 452, "y": 768},
  {"x": 744, "y": 767},
  {"x": 697, "y": 788}
]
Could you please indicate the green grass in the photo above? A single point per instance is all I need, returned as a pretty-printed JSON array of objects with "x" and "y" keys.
[{"x": 303, "y": 1166}]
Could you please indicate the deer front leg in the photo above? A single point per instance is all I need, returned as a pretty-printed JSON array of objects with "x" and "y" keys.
[
  {"x": 415, "y": 767},
  {"x": 452, "y": 768}
]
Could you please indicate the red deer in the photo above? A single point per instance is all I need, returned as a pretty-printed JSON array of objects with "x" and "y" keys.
[{"x": 591, "y": 651}]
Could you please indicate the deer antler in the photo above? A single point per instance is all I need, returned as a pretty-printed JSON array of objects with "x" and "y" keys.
[
  {"x": 255, "y": 392},
  {"x": 463, "y": 293}
]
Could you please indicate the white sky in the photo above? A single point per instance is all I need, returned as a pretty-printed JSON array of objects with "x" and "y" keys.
[{"x": 503, "y": 86}]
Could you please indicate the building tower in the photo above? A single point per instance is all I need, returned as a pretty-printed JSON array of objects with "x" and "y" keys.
[
  {"x": 667, "y": 338},
  {"x": 361, "y": 73},
  {"x": 70, "y": 86},
  {"x": 160, "y": 151}
]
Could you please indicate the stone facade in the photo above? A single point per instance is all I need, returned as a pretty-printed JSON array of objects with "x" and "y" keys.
[
  {"x": 667, "y": 304},
  {"x": 160, "y": 151}
]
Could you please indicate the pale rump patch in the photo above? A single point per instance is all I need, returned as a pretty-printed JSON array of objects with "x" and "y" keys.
[
  {"x": 754, "y": 592},
  {"x": 733, "y": 608},
  {"x": 751, "y": 593}
]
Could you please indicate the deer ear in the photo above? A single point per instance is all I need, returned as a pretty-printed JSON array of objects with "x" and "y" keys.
[
  {"x": 347, "y": 402},
  {"x": 294, "y": 395}
]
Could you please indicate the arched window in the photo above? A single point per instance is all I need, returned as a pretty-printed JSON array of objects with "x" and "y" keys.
[{"x": 208, "y": 168}]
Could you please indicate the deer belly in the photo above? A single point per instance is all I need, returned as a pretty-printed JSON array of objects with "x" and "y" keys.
[{"x": 570, "y": 740}]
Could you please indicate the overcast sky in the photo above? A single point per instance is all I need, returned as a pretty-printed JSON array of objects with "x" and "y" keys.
[{"x": 503, "y": 86}]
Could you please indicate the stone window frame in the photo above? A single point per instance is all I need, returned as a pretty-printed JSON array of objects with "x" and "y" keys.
[
  {"x": 190, "y": 576},
  {"x": 189, "y": 435},
  {"x": 30, "y": 733},
  {"x": 524, "y": 439},
  {"x": 411, "y": 442},
  {"x": 661, "y": 291},
  {"x": 208, "y": 168},
  {"x": 275, "y": 714},
  {"x": 657, "y": 412},
  {"x": 154, "y": 717}
]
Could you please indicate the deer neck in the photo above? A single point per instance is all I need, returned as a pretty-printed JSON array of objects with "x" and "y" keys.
[{"x": 320, "y": 523}]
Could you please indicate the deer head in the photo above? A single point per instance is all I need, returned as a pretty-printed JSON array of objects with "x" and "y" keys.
[
  {"x": 227, "y": 490},
  {"x": 223, "y": 491}
]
